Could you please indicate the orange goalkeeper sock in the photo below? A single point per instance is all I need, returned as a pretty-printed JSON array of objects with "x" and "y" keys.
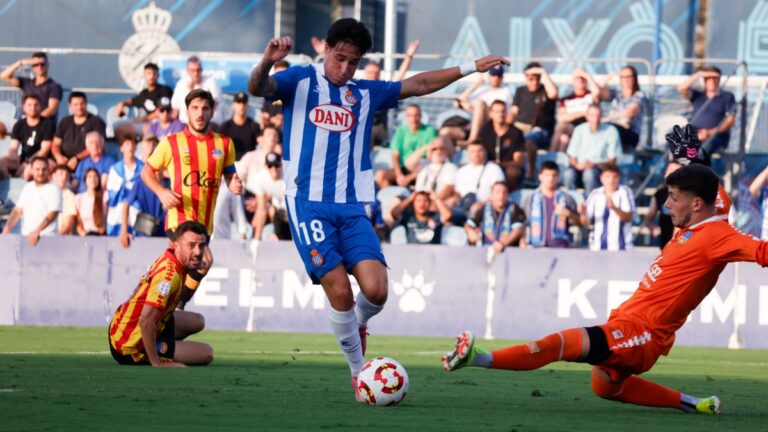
[
  {"x": 638, "y": 391},
  {"x": 565, "y": 345}
]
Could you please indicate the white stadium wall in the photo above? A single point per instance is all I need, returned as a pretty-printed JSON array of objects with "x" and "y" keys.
[{"x": 434, "y": 290}]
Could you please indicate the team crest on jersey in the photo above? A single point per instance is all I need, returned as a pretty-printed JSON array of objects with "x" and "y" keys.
[
  {"x": 163, "y": 288},
  {"x": 685, "y": 237},
  {"x": 317, "y": 259},
  {"x": 333, "y": 118},
  {"x": 217, "y": 154},
  {"x": 350, "y": 98}
]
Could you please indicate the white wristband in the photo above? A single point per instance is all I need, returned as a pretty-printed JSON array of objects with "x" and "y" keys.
[{"x": 468, "y": 68}]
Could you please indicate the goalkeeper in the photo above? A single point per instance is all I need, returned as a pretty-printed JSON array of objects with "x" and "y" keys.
[{"x": 643, "y": 328}]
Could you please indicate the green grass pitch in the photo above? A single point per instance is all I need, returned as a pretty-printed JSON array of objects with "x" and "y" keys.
[{"x": 64, "y": 379}]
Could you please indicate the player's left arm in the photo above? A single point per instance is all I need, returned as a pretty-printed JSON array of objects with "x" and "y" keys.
[
  {"x": 432, "y": 81},
  {"x": 733, "y": 245}
]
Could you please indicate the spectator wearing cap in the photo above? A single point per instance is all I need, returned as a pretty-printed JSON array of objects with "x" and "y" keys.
[
  {"x": 69, "y": 140},
  {"x": 165, "y": 124},
  {"x": 533, "y": 112},
  {"x": 435, "y": 173},
  {"x": 194, "y": 79},
  {"x": 121, "y": 179},
  {"x": 478, "y": 97},
  {"x": 713, "y": 109},
  {"x": 241, "y": 128},
  {"x": 269, "y": 189},
  {"x": 409, "y": 137},
  {"x": 149, "y": 99},
  {"x": 48, "y": 90}
]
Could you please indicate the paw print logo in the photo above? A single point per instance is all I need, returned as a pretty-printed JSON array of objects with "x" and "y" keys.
[{"x": 412, "y": 291}]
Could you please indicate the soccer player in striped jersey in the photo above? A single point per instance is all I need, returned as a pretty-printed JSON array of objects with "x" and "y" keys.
[
  {"x": 643, "y": 328},
  {"x": 195, "y": 159},
  {"x": 328, "y": 172},
  {"x": 147, "y": 329}
]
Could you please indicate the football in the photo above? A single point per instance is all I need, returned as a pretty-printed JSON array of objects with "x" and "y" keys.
[{"x": 382, "y": 381}]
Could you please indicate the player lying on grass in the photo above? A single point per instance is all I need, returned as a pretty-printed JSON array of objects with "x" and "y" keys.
[
  {"x": 328, "y": 172},
  {"x": 147, "y": 329},
  {"x": 643, "y": 328}
]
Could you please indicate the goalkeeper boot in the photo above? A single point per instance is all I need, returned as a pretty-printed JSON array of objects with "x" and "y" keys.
[
  {"x": 710, "y": 405},
  {"x": 462, "y": 353}
]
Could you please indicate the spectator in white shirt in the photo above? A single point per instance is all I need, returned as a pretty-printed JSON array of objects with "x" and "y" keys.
[
  {"x": 609, "y": 209},
  {"x": 436, "y": 173},
  {"x": 478, "y": 176},
  {"x": 194, "y": 80},
  {"x": 269, "y": 189},
  {"x": 38, "y": 206},
  {"x": 229, "y": 209}
]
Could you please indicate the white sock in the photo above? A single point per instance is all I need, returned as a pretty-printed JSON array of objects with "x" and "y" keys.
[
  {"x": 365, "y": 310},
  {"x": 345, "y": 327}
]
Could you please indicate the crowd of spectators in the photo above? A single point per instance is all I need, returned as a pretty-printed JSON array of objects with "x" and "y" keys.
[{"x": 479, "y": 176}]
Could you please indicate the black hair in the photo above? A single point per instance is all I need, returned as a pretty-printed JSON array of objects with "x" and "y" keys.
[
  {"x": 30, "y": 96},
  {"x": 711, "y": 68},
  {"x": 498, "y": 101},
  {"x": 281, "y": 63},
  {"x": 77, "y": 94},
  {"x": 151, "y": 66},
  {"x": 193, "y": 226},
  {"x": 351, "y": 31},
  {"x": 40, "y": 54},
  {"x": 532, "y": 65},
  {"x": 549, "y": 165},
  {"x": 199, "y": 94},
  {"x": 635, "y": 82},
  {"x": 611, "y": 167},
  {"x": 38, "y": 158},
  {"x": 698, "y": 180}
]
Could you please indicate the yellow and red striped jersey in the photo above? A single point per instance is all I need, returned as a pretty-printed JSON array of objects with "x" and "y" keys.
[
  {"x": 195, "y": 167},
  {"x": 160, "y": 287}
]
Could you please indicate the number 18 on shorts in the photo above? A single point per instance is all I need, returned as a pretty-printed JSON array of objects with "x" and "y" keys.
[{"x": 329, "y": 234}]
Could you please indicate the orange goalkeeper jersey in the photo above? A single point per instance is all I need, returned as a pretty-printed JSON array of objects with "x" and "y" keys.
[
  {"x": 684, "y": 273},
  {"x": 160, "y": 287},
  {"x": 195, "y": 167},
  {"x": 722, "y": 202}
]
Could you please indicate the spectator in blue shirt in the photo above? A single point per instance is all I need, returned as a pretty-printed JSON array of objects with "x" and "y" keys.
[
  {"x": 94, "y": 144},
  {"x": 713, "y": 109}
]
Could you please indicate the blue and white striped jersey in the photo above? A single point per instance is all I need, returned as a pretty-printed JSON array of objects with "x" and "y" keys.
[
  {"x": 608, "y": 231},
  {"x": 327, "y": 134}
]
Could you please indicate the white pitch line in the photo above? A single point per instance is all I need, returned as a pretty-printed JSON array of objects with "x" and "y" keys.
[
  {"x": 301, "y": 352},
  {"x": 8, "y": 390}
]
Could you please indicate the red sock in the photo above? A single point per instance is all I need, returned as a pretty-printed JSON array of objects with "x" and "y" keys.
[
  {"x": 638, "y": 391},
  {"x": 566, "y": 345}
]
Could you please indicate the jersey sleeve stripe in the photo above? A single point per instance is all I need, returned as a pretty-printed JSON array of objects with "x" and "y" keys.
[
  {"x": 176, "y": 175},
  {"x": 212, "y": 172}
]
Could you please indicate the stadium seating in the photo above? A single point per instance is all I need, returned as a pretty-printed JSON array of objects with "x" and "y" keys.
[
  {"x": 7, "y": 114},
  {"x": 453, "y": 236},
  {"x": 398, "y": 236},
  {"x": 381, "y": 158}
]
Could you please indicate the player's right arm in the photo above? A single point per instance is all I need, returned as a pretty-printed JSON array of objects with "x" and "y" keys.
[
  {"x": 161, "y": 158},
  {"x": 7, "y": 73},
  {"x": 260, "y": 83},
  {"x": 148, "y": 319}
]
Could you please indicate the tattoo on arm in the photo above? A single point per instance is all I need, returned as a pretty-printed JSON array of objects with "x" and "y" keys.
[{"x": 260, "y": 83}]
